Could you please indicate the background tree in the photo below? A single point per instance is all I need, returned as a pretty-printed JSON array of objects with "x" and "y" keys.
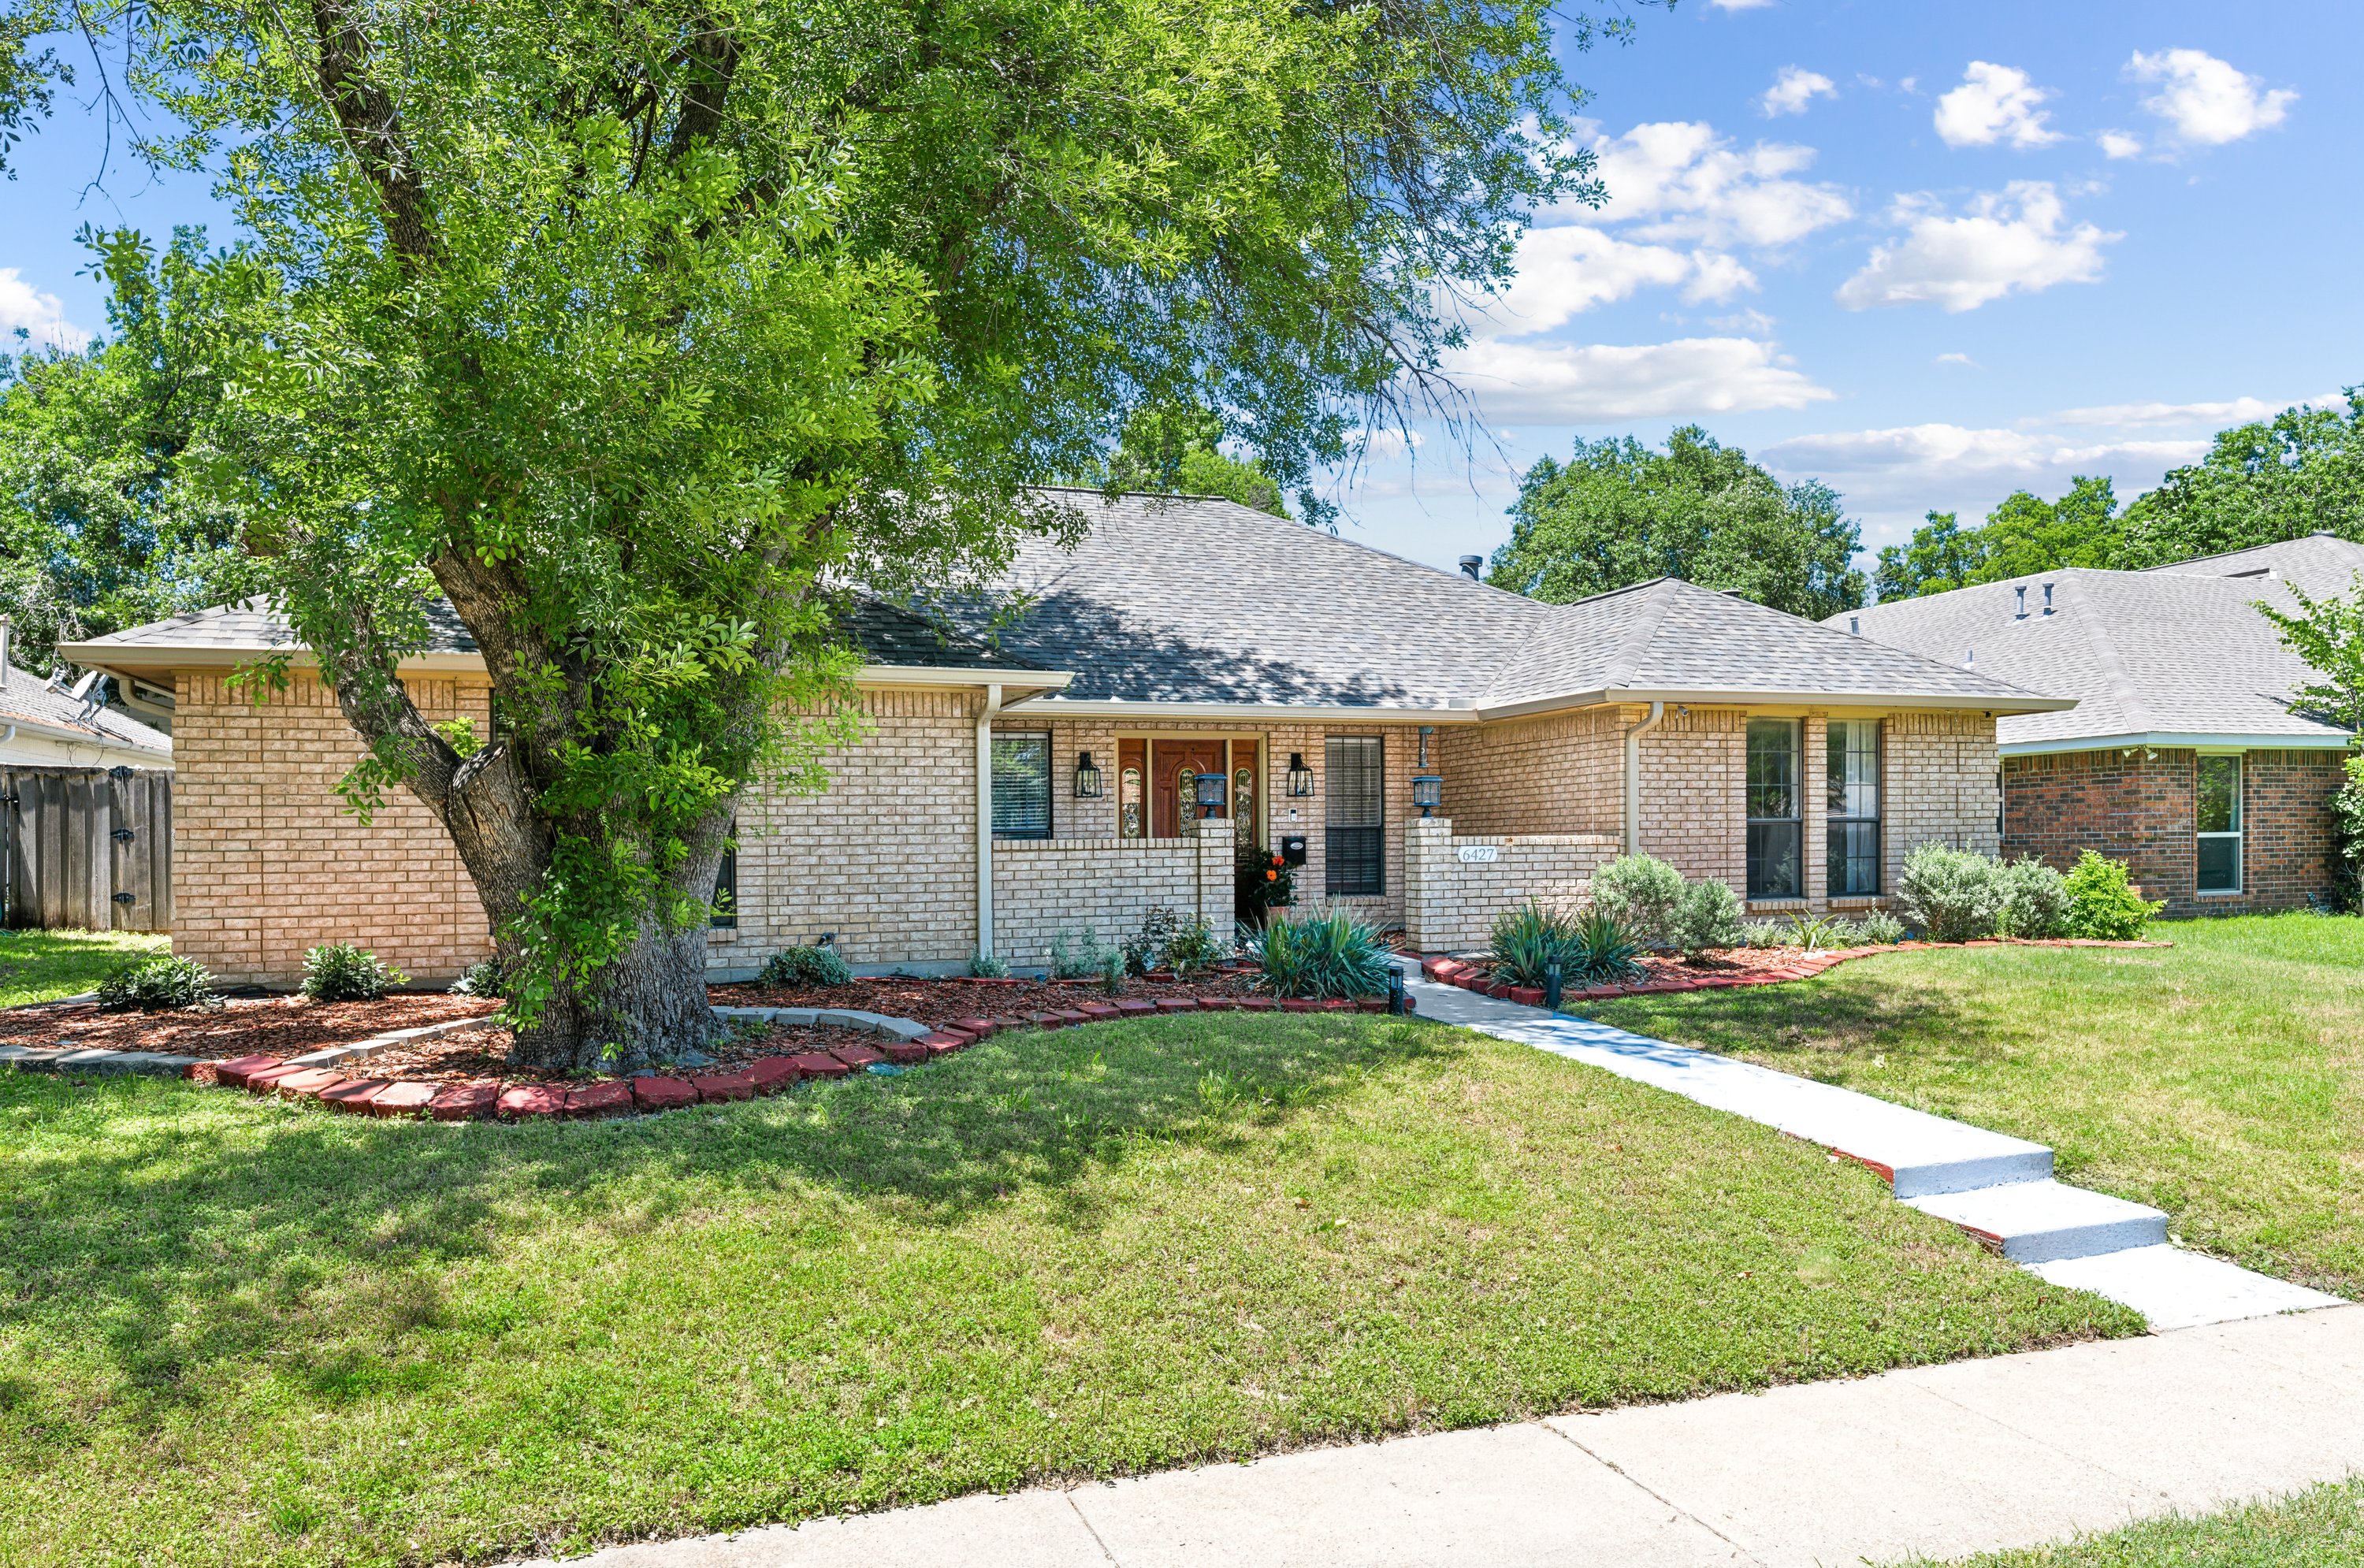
[
  {"x": 100, "y": 525},
  {"x": 1176, "y": 450},
  {"x": 1619, "y": 512},
  {"x": 2329, "y": 635},
  {"x": 2283, "y": 478},
  {"x": 641, "y": 332},
  {"x": 2025, "y": 534},
  {"x": 1941, "y": 554}
]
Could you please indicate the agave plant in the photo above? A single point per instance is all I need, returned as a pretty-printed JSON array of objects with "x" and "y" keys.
[
  {"x": 1602, "y": 949},
  {"x": 1327, "y": 953},
  {"x": 1527, "y": 940}
]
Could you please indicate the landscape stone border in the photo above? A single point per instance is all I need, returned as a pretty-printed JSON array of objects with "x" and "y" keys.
[
  {"x": 904, "y": 1042},
  {"x": 1470, "y": 974}
]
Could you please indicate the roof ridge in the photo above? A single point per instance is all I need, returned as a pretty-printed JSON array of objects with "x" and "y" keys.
[
  {"x": 1640, "y": 635},
  {"x": 2113, "y": 667}
]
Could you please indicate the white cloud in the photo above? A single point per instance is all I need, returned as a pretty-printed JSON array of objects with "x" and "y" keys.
[
  {"x": 2121, "y": 144},
  {"x": 1794, "y": 88},
  {"x": 1566, "y": 270},
  {"x": 1959, "y": 358},
  {"x": 1890, "y": 477},
  {"x": 1679, "y": 181},
  {"x": 2206, "y": 100},
  {"x": 2016, "y": 239},
  {"x": 2217, "y": 415},
  {"x": 1994, "y": 103},
  {"x": 1739, "y": 4},
  {"x": 1598, "y": 384},
  {"x": 43, "y": 315}
]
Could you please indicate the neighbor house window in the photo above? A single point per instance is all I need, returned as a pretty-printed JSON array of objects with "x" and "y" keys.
[
  {"x": 1021, "y": 786},
  {"x": 2219, "y": 815},
  {"x": 1354, "y": 865},
  {"x": 1853, "y": 804},
  {"x": 1775, "y": 862}
]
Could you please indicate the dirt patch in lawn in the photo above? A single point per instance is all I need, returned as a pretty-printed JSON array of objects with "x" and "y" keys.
[{"x": 261, "y": 1026}]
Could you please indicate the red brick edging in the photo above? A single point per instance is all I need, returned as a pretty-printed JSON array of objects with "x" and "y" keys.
[
  {"x": 769, "y": 1075},
  {"x": 1473, "y": 976}
]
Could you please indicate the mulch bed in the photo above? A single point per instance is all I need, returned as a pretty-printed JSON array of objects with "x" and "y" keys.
[
  {"x": 949, "y": 1001},
  {"x": 267, "y": 1026}
]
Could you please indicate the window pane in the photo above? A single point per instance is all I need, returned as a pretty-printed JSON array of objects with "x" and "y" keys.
[
  {"x": 1772, "y": 768},
  {"x": 1773, "y": 859},
  {"x": 1855, "y": 859},
  {"x": 2220, "y": 794},
  {"x": 2220, "y": 864},
  {"x": 726, "y": 888},
  {"x": 1355, "y": 806},
  {"x": 1854, "y": 768},
  {"x": 1021, "y": 786}
]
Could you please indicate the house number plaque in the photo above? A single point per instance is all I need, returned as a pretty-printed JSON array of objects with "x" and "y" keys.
[{"x": 1479, "y": 854}]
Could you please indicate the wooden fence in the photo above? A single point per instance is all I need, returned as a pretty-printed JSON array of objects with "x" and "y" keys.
[{"x": 87, "y": 849}]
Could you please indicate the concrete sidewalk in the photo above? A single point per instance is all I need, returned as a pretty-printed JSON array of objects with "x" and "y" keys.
[{"x": 1945, "y": 1461}]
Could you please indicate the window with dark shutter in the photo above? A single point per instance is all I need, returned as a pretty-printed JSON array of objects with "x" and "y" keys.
[
  {"x": 1354, "y": 865},
  {"x": 1021, "y": 786}
]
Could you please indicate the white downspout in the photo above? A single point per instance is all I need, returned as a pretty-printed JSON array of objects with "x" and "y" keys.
[
  {"x": 1633, "y": 776},
  {"x": 984, "y": 820}
]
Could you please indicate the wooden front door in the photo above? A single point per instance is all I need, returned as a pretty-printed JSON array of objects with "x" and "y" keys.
[{"x": 1174, "y": 768}]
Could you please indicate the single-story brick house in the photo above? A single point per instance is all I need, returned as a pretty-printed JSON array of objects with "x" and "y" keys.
[
  {"x": 1050, "y": 777},
  {"x": 2184, "y": 755}
]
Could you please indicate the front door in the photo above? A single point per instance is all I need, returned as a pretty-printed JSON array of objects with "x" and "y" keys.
[{"x": 1174, "y": 770}]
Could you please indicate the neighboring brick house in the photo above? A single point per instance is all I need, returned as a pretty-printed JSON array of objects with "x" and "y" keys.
[
  {"x": 2184, "y": 756},
  {"x": 1045, "y": 745}
]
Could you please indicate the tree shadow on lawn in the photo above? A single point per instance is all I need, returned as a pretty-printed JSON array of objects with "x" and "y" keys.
[
  {"x": 155, "y": 1197},
  {"x": 1811, "y": 1027}
]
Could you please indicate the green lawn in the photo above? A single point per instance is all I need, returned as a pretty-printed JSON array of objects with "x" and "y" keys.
[
  {"x": 41, "y": 966},
  {"x": 2319, "y": 1529},
  {"x": 2221, "y": 1080},
  {"x": 234, "y": 1331}
]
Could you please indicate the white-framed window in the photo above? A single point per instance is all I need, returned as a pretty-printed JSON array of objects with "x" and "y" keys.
[
  {"x": 2216, "y": 813},
  {"x": 1852, "y": 801},
  {"x": 1021, "y": 786},
  {"x": 1775, "y": 864}
]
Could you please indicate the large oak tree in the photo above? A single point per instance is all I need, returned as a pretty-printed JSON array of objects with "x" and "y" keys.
[{"x": 641, "y": 331}]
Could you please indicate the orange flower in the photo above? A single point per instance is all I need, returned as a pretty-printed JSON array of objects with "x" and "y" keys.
[{"x": 1272, "y": 876}]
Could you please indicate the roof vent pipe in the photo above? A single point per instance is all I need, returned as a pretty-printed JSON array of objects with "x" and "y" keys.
[
  {"x": 2022, "y": 592},
  {"x": 2048, "y": 598},
  {"x": 1969, "y": 657},
  {"x": 1855, "y": 625},
  {"x": 1470, "y": 564}
]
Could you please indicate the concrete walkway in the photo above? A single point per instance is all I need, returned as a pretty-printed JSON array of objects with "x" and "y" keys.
[
  {"x": 1944, "y": 1461},
  {"x": 1997, "y": 1187}
]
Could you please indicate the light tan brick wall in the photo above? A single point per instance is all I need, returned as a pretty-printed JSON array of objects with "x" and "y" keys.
[
  {"x": 1941, "y": 777},
  {"x": 1558, "y": 772},
  {"x": 1043, "y": 887},
  {"x": 1694, "y": 806},
  {"x": 1450, "y": 904},
  {"x": 267, "y": 862}
]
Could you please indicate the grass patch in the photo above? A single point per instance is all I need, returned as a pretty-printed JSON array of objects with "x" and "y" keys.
[
  {"x": 2322, "y": 1528},
  {"x": 235, "y": 1330},
  {"x": 2221, "y": 1080},
  {"x": 41, "y": 966}
]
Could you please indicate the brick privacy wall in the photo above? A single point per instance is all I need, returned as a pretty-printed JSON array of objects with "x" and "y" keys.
[
  {"x": 1450, "y": 906},
  {"x": 2139, "y": 809},
  {"x": 267, "y": 862},
  {"x": 1044, "y": 886},
  {"x": 886, "y": 857}
]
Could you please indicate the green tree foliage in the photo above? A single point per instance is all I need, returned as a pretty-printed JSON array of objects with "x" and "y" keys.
[
  {"x": 634, "y": 330},
  {"x": 1174, "y": 450},
  {"x": 2329, "y": 635},
  {"x": 1619, "y": 512},
  {"x": 2025, "y": 534},
  {"x": 101, "y": 527}
]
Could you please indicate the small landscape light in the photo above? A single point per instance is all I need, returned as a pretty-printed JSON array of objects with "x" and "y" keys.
[
  {"x": 1087, "y": 777},
  {"x": 1551, "y": 985},
  {"x": 1428, "y": 793}
]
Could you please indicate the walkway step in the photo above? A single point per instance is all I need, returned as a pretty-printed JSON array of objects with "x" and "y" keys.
[
  {"x": 2175, "y": 1289},
  {"x": 2043, "y": 1222}
]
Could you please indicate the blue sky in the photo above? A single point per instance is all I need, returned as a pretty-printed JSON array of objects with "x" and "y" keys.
[{"x": 1929, "y": 252}]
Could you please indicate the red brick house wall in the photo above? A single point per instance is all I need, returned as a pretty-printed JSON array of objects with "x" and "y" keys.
[{"x": 2138, "y": 808}]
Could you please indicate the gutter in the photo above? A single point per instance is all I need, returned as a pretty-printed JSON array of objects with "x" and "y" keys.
[
  {"x": 1633, "y": 776},
  {"x": 2183, "y": 740},
  {"x": 1881, "y": 701},
  {"x": 985, "y": 819}
]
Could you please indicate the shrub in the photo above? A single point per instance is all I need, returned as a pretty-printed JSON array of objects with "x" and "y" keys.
[
  {"x": 1112, "y": 971},
  {"x": 1603, "y": 951},
  {"x": 985, "y": 966},
  {"x": 1526, "y": 940},
  {"x": 2347, "y": 830},
  {"x": 818, "y": 965},
  {"x": 1642, "y": 893},
  {"x": 1327, "y": 953},
  {"x": 1764, "y": 934},
  {"x": 154, "y": 985},
  {"x": 1953, "y": 895},
  {"x": 1709, "y": 916},
  {"x": 2102, "y": 904},
  {"x": 340, "y": 971},
  {"x": 1879, "y": 928},
  {"x": 1168, "y": 939},
  {"x": 1818, "y": 933},
  {"x": 2034, "y": 899},
  {"x": 482, "y": 978},
  {"x": 1080, "y": 958},
  {"x": 1261, "y": 881}
]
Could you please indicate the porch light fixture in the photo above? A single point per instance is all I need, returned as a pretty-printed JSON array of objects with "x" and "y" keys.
[
  {"x": 1301, "y": 777},
  {"x": 1428, "y": 793},
  {"x": 1210, "y": 793},
  {"x": 1087, "y": 777}
]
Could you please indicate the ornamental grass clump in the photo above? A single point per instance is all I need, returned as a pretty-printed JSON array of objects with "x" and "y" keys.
[
  {"x": 1591, "y": 948},
  {"x": 157, "y": 984},
  {"x": 819, "y": 965},
  {"x": 1327, "y": 953},
  {"x": 340, "y": 971},
  {"x": 2102, "y": 904}
]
